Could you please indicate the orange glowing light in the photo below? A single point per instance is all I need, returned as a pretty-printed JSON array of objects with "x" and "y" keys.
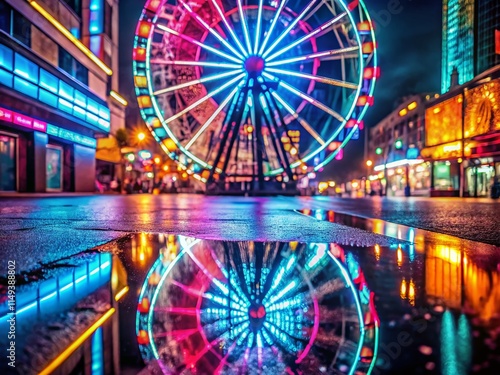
[
  {"x": 139, "y": 54},
  {"x": 399, "y": 256},
  {"x": 143, "y": 306},
  {"x": 365, "y": 100},
  {"x": 143, "y": 337},
  {"x": 249, "y": 129},
  {"x": 368, "y": 47},
  {"x": 153, "y": 5},
  {"x": 143, "y": 29},
  {"x": 140, "y": 81},
  {"x": 157, "y": 160},
  {"x": 364, "y": 26},
  {"x": 144, "y": 101},
  {"x": 371, "y": 72}
]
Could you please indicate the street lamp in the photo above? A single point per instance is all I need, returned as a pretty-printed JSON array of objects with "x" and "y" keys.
[
  {"x": 141, "y": 136},
  {"x": 369, "y": 163}
]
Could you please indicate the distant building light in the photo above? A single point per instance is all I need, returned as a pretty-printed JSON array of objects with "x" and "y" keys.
[
  {"x": 412, "y": 106},
  {"x": 403, "y": 112},
  {"x": 120, "y": 99},
  {"x": 378, "y": 150}
]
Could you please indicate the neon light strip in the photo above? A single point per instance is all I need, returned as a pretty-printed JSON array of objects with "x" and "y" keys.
[
  {"x": 121, "y": 293},
  {"x": 329, "y": 81},
  {"x": 196, "y": 63},
  {"x": 77, "y": 343},
  {"x": 273, "y": 24},
  {"x": 289, "y": 28},
  {"x": 257, "y": 29},
  {"x": 397, "y": 163},
  {"x": 231, "y": 31},
  {"x": 120, "y": 99},
  {"x": 296, "y": 116},
  {"x": 308, "y": 36},
  {"x": 203, "y": 99},
  {"x": 313, "y": 56},
  {"x": 244, "y": 26},
  {"x": 208, "y": 28},
  {"x": 211, "y": 118},
  {"x": 197, "y": 81},
  {"x": 71, "y": 37},
  {"x": 308, "y": 98},
  {"x": 198, "y": 43}
]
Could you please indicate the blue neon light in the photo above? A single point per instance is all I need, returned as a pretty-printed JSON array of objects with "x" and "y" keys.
[
  {"x": 96, "y": 24},
  {"x": 6, "y": 57},
  {"x": 26, "y": 68},
  {"x": 71, "y": 136},
  {"x": 31, "y": 80},
  {"x": 97, "y": 352}
]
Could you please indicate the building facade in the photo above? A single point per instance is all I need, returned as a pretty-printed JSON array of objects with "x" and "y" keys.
[
  {"x": 393, "y": 150},
  {"x": 463, "y": 138},
  {"x": 470, "y": 39},
  {"x": 58, "y": 83}
]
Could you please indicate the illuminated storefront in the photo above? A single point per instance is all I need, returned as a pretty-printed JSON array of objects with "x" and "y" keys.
[
  {"x": 56, "y": 93},
  {"x": 463, "y": 139}
]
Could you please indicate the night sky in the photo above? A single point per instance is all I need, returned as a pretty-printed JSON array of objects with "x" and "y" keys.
[{"x": 409, "y": 45}]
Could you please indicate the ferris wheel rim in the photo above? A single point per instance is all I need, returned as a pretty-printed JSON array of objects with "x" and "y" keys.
[
  {"x": 187, "y": 245},
  {"x": 316, "y": 150}
]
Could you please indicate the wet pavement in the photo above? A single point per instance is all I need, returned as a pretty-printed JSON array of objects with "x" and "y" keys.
[
  {"x": 40, "y": 230},
  {"x": 428, "y": 304},
  {"x": 213, "y": 290}
]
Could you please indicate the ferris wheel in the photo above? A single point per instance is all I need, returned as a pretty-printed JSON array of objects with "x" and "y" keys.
[
  {"x": 256, "y": 89},
  {"x": 214, "y": 307}
]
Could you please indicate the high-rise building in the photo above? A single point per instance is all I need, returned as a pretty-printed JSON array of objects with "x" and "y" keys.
[
  {"x": 469, "y": 45},
  {"x": 488, "y": 27},
  {"x": 58, "y": 91},
  {"x": 458, "y": 41}
]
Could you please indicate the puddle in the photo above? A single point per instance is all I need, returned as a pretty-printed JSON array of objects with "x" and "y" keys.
[{"x": 159, "y": 303}]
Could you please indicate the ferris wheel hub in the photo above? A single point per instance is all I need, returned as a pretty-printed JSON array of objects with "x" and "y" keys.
[
  {"x": 254, "y": 65},
  {"x": 257, "y": 315}
]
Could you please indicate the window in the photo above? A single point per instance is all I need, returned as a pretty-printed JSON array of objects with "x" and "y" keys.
[
  {"x": 5, "y": 17},
  {"x": 21, "y": 29},
  {"x": 108, "y": 19},
  {"x": 75, "y": 5},
  {"x": 71, "y": 66}
]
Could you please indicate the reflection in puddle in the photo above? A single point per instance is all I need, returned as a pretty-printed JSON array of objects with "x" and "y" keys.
[
  {"x": 213, "y": 307},
  {"x": 180, "y": 305}
]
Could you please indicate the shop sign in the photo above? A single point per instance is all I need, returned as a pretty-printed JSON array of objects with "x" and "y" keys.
[
  {"x": 5, "y": 115},
  {"x": 22, "y": 120},
  {"x": 40, "y": 125}
]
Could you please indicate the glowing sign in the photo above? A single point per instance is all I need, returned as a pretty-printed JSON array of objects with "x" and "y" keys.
[
  {"x": 5, "y": 115},
  {"x": 22, "y": 120}
]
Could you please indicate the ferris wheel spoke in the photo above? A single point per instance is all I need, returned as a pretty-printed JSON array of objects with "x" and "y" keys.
[
  {"x": 289, "y": 28},
  {"x": 273, "y": 24},
  {"x": 197, "y": 81},
  {"x": 257, "y": 29},
  {"x": 318, "y": 55},
  {"x": 203, "y": 99},
  {"x": 223, "y": 288},
  {"x": 307, "y": 36},
  {"x": 296, "y": 116},
  {"x": 307, "y": 98},
  {"x": 329, "y": 81},
  {"x": 211, "y": 118},
  {"x": 199, "y": 44},
  {"x": 229, "y": 28},
  {"x": 209, "y": 29},
  {"x": 244, "y": 26},
  {"x": 195, "y": 63}
]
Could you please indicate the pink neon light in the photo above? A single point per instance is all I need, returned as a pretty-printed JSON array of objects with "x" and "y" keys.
[
  {"x": 6, "y": 115},
  {"x": 314, "y": 333},
  {"x": 40, "y": 125},
  {"x": 22, "y": 120}
]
